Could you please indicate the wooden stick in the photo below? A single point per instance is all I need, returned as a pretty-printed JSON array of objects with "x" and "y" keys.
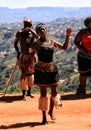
[{"x": 11, "y": 76}]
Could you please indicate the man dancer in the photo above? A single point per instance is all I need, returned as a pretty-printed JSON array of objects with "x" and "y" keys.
[{"x": 26, "y": 57}]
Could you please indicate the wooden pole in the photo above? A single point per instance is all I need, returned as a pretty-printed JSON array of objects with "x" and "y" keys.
[{"x": 11, "y": 76}]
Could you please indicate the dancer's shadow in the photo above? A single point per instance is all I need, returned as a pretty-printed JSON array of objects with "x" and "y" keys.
[
  {"x": 10, "y": 98},
  {"x": 75, "y": 97},
  {"x": 20, "y": 125}
]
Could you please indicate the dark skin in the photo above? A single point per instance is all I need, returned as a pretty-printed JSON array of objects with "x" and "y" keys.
[
  {"x": 25, "y": 30},
  {"x": 25, "y": 39},
  {"x": 78, "y": 45},
  {"x": 43, "y": 35},
  {"x": 83, "y": 51}
]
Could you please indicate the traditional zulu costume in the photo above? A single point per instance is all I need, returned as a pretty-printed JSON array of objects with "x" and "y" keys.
[
  {"x": 45, "y": 71},
  {"x": 26, "y": 58},
  {"x": 84, "y": 63},
  {"x": 46, "y": 74},
  {"x": 83, "y": 41}
]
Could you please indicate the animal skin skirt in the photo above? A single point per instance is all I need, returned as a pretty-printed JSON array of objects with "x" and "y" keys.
[{"x": 45, "y": 78}]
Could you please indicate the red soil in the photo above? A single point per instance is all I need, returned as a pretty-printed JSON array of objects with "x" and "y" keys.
[{"x": 23, "y": 115}]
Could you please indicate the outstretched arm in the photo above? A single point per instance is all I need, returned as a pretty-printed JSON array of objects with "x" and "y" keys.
[{"x": 65, "y": 45}]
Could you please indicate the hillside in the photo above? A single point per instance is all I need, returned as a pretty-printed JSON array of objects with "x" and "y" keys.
[
  {"x": 42, "y": 14},
  {"x": 16, "y": 114},
  {"x": 65, "y": 60}
]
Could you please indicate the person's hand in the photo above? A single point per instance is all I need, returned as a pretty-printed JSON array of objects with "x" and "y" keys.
[{"x": 68, "y": 32}]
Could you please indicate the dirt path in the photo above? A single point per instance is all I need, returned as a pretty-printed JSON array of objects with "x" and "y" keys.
[{"x": 16, "y": 114}]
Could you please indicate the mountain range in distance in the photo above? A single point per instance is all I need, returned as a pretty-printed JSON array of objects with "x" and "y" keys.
[{"x": 42, "y": 14}]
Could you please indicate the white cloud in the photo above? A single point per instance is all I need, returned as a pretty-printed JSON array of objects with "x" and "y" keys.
[{"x": 32, "y": 3}]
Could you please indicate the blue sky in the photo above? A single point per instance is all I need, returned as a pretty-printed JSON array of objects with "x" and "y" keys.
[{"x": 38, "y": 3}]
